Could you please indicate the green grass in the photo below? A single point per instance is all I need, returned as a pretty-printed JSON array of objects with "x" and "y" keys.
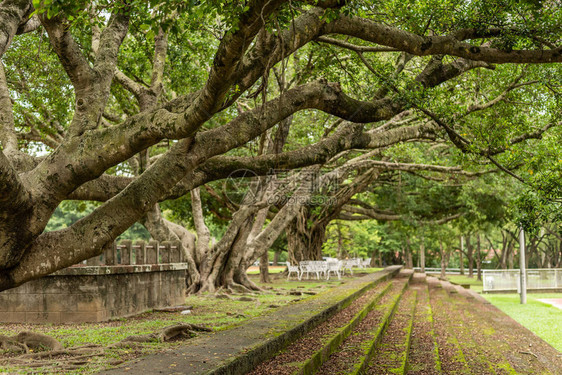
[
  {"x": 272, "y": 270},
  {"x": 463, "y": 279},
  {"x": 542, "y": 319},
  {"x": 279, "y": 269}
]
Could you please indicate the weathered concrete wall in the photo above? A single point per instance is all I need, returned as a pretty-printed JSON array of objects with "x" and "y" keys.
[{"x": 96, "y": 293}]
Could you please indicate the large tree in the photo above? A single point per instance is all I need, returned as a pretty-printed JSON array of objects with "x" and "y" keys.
[{"x": 156, "y": 98}]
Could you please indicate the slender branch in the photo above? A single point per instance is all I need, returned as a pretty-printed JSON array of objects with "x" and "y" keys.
[{"x": 354, "y": 47}]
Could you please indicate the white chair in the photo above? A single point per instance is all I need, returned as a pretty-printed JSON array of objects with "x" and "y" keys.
[
  {"x": 334, "y": 267},
  {"x": 293, "y": 269},
  {"x": 348, "y": 264},
  {"x": 314, "y": 266}
]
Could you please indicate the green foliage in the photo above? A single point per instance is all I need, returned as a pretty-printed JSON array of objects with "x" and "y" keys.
[{"x": 69, "y": 212}]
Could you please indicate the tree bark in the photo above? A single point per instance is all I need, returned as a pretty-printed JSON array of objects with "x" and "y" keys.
[
  {"x": 461, "y": 253},
  {"x": 469, "y": 256},
  {"x": 478, "y": 258}
]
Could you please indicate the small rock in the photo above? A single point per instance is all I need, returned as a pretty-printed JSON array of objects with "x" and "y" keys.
[
  {"x": 186, "y": 312},
  {"x": 295, "y": 293}
]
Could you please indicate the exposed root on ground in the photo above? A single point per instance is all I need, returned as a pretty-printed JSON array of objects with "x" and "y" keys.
[
  {"x": 37, "y": 350},
  {"x": 168, "y": 334}
]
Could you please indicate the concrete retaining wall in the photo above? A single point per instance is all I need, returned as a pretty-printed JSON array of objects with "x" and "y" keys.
[{"x": 102, "y": 292}]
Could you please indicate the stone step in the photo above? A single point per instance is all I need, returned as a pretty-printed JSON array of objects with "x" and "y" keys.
[
  {"x": 482, "y": 335},
  {"x": 391, "y": 357},
  {"x": 306, "y": 354},
  {"x": 419, "y": 278},
  {"x": 451, "y": 355},
  {"x": 505, "y": 340},
  {"x": 424, "y": 356},
  {"x": 334, "y": 340},
  {"x": 476, "y": 360},
  {"x": 356, "y": 351},
  {"x": 405, "y": 273},
  {"x": 240, "y": 349}
]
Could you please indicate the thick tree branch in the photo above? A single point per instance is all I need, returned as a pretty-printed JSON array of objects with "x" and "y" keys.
[
  {"x": 13, "y": 13},
  {"x": 417, "y": 45},
  {"x": 70, "y": 56}
]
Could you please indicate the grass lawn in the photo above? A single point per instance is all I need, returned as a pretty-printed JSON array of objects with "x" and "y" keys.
[
  {"x": 542, "y": 319},
  {"x": 278, "y": 269},
  {"x": 218, "y": 314},
  {"x": 272, "y": 270}
]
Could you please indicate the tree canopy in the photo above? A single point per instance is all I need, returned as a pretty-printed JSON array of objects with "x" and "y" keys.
[{"x": 132, "y": 103}]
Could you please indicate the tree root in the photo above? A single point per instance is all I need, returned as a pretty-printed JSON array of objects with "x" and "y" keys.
[
  {"x": 167, "y": 334},
  {"x": 73, "y": 358},
  {"x": 26, "y": 340}
]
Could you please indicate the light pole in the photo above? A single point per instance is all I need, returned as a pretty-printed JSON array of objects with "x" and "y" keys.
[{"x": 522, "y": 269}]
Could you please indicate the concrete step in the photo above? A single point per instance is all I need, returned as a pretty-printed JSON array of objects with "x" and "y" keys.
[
  {"x": 323, "y": 340},
  {"x": 481, "y": 332},
  {"x": 433, "y": 282},
  {"x": 419, "y": 278},
  {"x": 355, "y": 352},
  {"x": 391, "y": 357},
  {"x": 424, "y": 355},
  {"x": 257, "y": 340},
  {"x": 508, "y": 345},
  {"x": 451, "y": 355},
  {"x": 405, "y": 273},
  {"x": 475, "y": 359}
]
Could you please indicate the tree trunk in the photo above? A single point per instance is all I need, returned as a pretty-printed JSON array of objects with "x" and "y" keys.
[
  {"x": 276, "y": 258},
  {"x": 304, "y": 243},
  {"x": 444, "y": 260},
  {"x": 469, "y": 256},
  {"x": 408, "y": 255},
  {"x": 422, "y": 254},
  {"x": 478, "y": 258},
  {"x": 264, "y": 268},
  {"x": 461, "y": 253},
  {"x": 511, "y": 254}
]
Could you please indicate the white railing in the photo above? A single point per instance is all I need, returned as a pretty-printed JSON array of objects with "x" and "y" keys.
[
  {"x": 508, "y": 280},
  {"x": 451, "y": 271}
]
